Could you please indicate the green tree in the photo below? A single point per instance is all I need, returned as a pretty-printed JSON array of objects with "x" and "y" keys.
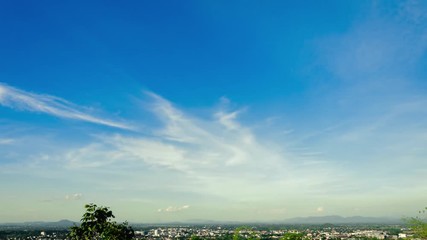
[
  {"x": 97, "y": 224},
  {"x": 292, "y": 236},
  {"x": 195, "y": 237},
  {"x": 418, "y": 225},
  {"x": 244, "y": 232}
]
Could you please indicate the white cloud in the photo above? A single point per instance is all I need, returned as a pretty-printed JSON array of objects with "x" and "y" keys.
[
  {"x": 193, "y": 157},
  {"x": 228, "y": 119},
  {"x": 174, "y": 209},
  {"x": 2, "y": 92},
  {"x": 26, "y": 101},
  {"x": 379, "y": 50},
  {"x": 185, "y": 144},
  {"x": 197, "y": 152},
  {"x": 4, "y": 141},
  {"x": 75, "y": 196},
  {"x": 380, "y": 96}
]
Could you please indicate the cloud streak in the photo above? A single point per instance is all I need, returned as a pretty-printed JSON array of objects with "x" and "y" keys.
[
  {"x": 340, "y": 128},
  {"x": 174, "y": 209},
  {"x": 73, "y": 197},
  {"x": 25, "y": 101},
  {"x": 217, "y": 156},
  {"x": 5, "y": 141}
]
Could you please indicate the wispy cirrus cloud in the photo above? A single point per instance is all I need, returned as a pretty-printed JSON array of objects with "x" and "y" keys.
[
  {"x": 25, "y": 101},
  {"x": 217, "y": 156},
  {"x": 374, "y": 87},
  {"x": 184, "y": 143},
  {"x": 173, "y": 209},
  {"x": 4, "y": 141},
  {"x": 73, "y": 197},
  {"x": 193, "y": 158},
  {"x": 379, "y": 53}
]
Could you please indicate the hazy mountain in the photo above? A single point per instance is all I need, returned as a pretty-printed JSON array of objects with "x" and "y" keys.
[
  {"x": 333, "y": 219},
  {"x": 38, "y": 224},
  {"x": 341, "y": 220}
]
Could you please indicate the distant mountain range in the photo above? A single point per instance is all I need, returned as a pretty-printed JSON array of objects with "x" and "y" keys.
[
  {"x": 341, "y": 220},
  {"x": 334, "y": 219},
  {"x": 58, "y": 224}
]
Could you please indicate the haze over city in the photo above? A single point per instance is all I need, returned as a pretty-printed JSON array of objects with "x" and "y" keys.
[{"x": 212, "y": 110}]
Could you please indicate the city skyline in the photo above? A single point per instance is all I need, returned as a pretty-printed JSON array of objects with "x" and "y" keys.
[{"x": 226, "y": 111}]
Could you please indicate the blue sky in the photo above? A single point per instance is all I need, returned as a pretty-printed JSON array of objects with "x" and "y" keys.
[{"x": 216, "y": 110}]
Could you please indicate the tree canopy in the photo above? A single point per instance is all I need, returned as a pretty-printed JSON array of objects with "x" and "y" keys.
[
  {"x": 419, "y": 225},
  {"x": 97, "y": 224}
]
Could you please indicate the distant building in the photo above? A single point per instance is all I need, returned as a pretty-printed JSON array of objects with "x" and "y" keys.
[{"x": 402, "y": 235}]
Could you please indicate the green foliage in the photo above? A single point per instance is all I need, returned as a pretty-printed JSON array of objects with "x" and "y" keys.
[
  {"x": 292, "y": 236},
  {"x": 194, "y": 237},
  {"x": 97, "y": 224},
  {"x": 225, "y": 237},
  {"x": 418, "y": 225},
  {"x": 249, "y": 234},
  {"x": 393, "y": 231},
  {"x": 367, "y": 238}
]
